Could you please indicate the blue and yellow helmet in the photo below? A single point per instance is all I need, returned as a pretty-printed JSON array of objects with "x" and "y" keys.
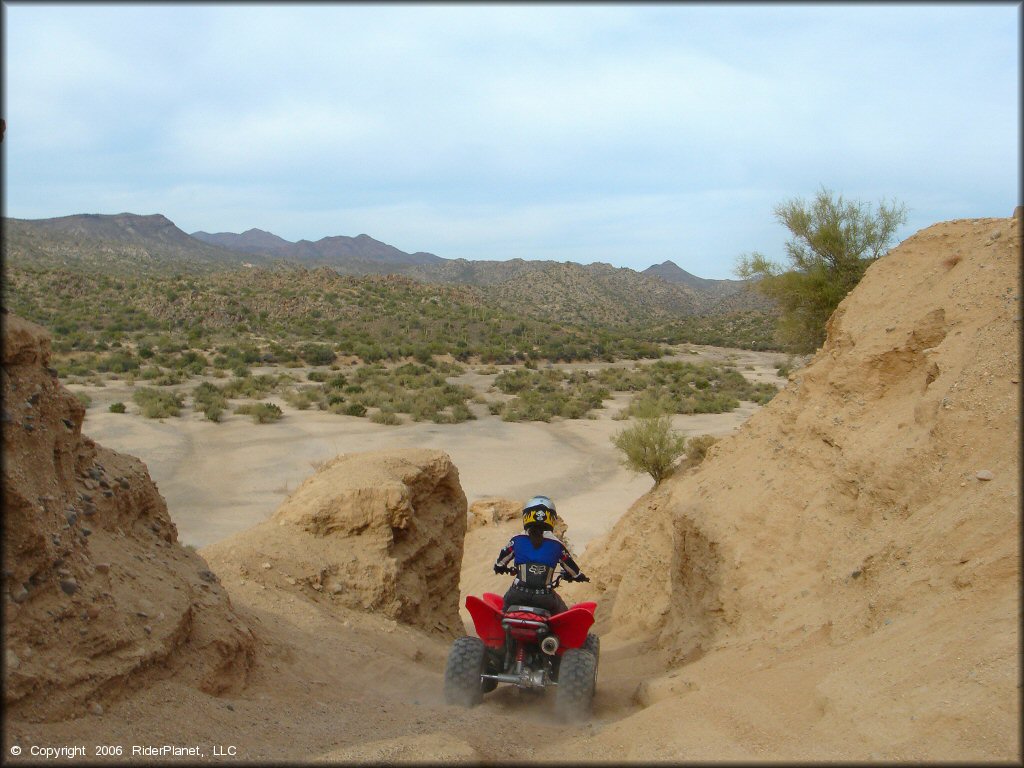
[{"x": 540, "y": 510}]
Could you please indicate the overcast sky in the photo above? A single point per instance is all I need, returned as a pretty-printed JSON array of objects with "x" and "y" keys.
[{"x": 627, "y": 134}]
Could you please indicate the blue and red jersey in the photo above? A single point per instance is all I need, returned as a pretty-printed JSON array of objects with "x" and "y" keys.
[{"x": 535, "y": 566}]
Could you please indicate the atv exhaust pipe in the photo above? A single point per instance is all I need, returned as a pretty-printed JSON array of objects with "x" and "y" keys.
[{"x": 549, "y": 645}]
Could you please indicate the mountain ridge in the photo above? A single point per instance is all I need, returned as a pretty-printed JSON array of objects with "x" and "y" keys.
[{"x": 129, "y": 243}]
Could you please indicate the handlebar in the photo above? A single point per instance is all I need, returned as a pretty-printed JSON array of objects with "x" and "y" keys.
[{"x": 562, "y": 574}]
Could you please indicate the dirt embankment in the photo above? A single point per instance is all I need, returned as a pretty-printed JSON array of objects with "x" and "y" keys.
[
  {"x": 100, "y": 597},
  {"x": 845, "y": 569},
  {"x": 838, "y": 580}
]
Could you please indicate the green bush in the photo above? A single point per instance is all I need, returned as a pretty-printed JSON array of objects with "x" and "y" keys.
[
  {"x": 385, "y": 417},
  {"x": 833, "y": 243},
  {"x": 253, "y": 387},
  {"x": 210, "y": 400},
  {"x": 697, "y": 448},
  {"x": 157, "y": 404},
  {"x": 316, "y": 354},
  {"x": 303, "y": 397},
  {"x": 650, "y": 445},
  {"x": 117, "y": 407},
  {"x": 354, "y": 409},
  {"x": 262, "y": 413}
]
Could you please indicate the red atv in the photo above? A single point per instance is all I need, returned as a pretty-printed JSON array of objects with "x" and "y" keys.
[{"x": 529, "y": 648}]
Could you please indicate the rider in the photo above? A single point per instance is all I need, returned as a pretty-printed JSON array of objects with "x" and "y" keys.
[{"x": 537, "y": 554}]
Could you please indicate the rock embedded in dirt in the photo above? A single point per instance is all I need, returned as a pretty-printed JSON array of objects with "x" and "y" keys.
[{"x": 985, "y": 474}]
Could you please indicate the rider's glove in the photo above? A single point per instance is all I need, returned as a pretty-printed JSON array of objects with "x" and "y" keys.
[{"x": 582, "y": 577}]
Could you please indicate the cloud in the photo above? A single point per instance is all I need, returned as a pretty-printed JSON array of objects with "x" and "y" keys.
[{"x": 625, "y": 133}]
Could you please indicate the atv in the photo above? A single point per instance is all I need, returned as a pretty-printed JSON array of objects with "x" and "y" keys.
[{"x": 529, "y": 648}]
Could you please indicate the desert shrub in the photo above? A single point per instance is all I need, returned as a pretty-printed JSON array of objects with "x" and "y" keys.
[
  {"x": 316, "y": 354},
  {"x": 79, "y": 366},
  {"x": 542, "y": 395},
  {"x": 190, "y": 361},
  {"x": 461, "y": 412},
  {"x": 214, "y": 412},
  {"x": 335, "y": 381},
  {"x": 420, "y": 390},
  {"x": 117, "y": 407},
  {"x": 262, "y": 413},
  {"x": 385, "y": 416},
  {"x": 117, "y": 362},
  {"x": 681, "y": 387},
  {"x": 210, "y": 400},
  {"x": 697, "y": 447},
  {"x": 254, "y": 387},
  {"x": 784, "y": 367},
  {"x": 302, "y": 398},
  {"x": 83, "y": 398},
  {"x": 157, "y": 404},
  {"x": 650, "y": 445},
  {"x": 354, "y": 409}
]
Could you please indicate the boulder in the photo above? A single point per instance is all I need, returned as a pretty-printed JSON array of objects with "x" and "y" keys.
[{"x": 380, "y": 532}]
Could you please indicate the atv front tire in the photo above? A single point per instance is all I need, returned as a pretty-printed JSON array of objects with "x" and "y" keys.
[
  {"x": 462, "y": 684},
  {"x": 576, "y": 681}
]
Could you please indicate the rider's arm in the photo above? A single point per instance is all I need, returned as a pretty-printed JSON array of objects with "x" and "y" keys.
[
  {"x": 570, "y": 567},
  {"x": 504, "y": 557}
]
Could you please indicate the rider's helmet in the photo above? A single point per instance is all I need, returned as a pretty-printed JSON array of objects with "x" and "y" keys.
[{"x": 540, "y": 510}]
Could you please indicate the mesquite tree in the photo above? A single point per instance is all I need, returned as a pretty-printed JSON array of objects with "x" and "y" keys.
[{"x": 834, "y": 241}]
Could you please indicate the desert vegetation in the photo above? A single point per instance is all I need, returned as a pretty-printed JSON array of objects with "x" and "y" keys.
[
  {"x": 833, "y": 242},
  {"x": 383, "y": 347},
  {"x": 179, "y": 324}
]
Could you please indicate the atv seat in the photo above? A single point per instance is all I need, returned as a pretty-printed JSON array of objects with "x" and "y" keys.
[{"x": 529, "y": 609}]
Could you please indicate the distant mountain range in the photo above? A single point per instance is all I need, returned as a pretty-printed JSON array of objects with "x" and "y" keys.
[
  {"x": 134, "y": 244},
  {"x": 329, "y": 251},
  {"x": 671, "y": 272}
]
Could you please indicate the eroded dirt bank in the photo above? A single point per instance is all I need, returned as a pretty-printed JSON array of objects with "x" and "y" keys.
[
  {"x": 838, "y": 580},
  {"x": 842, "y": 575}
]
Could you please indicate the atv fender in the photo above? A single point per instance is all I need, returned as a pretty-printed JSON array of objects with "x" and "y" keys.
[
  {"x": 497, "y": 602},
  {"x": 571, "y": 626},
  {"x": 487, "y": 620}
]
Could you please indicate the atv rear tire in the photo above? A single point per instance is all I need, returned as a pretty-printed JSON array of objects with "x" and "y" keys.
[
  {"x": 492, "y": 665},
  {"x": 593, "y": 644},
  {"x": 462, "y": 684},
  {"x": 576, "y": 680}
]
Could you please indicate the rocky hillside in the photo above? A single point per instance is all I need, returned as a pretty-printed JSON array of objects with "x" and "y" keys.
[
  {"x": 854, "y": 549},
  {"x": 123, "y": 243}
]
